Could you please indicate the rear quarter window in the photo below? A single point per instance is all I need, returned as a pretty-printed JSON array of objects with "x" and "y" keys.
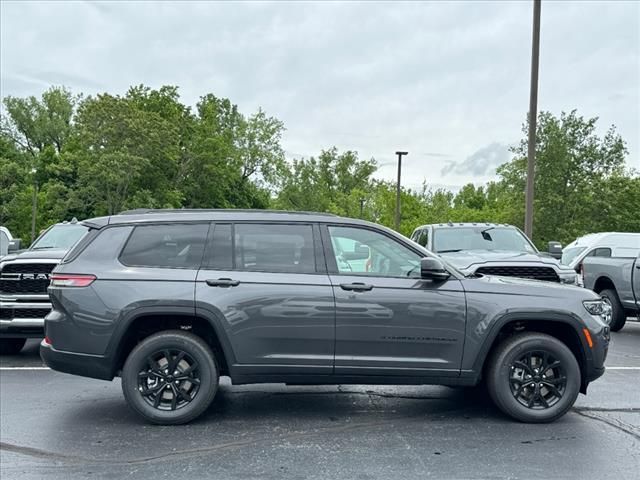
[{"x": 169, "y": 246}]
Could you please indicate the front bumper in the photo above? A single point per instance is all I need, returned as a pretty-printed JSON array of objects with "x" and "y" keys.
[
  {"x": 93, "y": 366},
  {"x": 22, "y": 319}
]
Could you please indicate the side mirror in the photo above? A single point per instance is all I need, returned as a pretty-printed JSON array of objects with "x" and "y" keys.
[
  {"x": 433, "y": 269},
  {"x": 14, "y": 245},
  {"x": 555, "y": 249}
]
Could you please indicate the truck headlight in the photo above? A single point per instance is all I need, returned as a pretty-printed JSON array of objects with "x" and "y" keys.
[{"x": 570, "y": 278}]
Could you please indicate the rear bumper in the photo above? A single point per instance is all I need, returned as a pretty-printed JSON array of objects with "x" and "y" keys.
[{"x": 93, "y": 366}]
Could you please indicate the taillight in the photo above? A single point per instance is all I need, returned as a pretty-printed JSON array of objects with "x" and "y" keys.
[{"x": 62, "y": 280}]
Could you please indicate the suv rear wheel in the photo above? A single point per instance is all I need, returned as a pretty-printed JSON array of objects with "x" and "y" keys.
[
  {"x": 11, "y": 346},
  {"x": 533, "y": 377},
  {"x": 170, "y": 377}
]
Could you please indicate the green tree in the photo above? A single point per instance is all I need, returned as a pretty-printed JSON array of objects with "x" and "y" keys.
[{"x": 573, "y": 167}]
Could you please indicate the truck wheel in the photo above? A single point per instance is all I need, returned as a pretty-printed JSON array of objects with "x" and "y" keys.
[
  {"x": 170, "y": 377},
  {"x": 618, "y": 315},
  {"x": 533, "y": 377},
  {"x": 11, "y": 346}
]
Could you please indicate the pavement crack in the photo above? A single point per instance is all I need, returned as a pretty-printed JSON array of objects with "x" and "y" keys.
[{"x": 621, "y": 427}]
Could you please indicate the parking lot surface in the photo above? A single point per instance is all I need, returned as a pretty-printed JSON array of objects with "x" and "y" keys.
[{"x": 60, "y": 426}]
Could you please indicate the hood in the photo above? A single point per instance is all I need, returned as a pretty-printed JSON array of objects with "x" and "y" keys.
[
  {"x": 466, "y": 259},
  {"x": 44, "y": 254},
  {"x": 527, "y": 288}
]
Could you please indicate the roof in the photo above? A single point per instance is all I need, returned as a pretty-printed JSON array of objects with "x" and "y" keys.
[
  {"x": 465, "y": 224},
  {"x": 229, "y": 215}
]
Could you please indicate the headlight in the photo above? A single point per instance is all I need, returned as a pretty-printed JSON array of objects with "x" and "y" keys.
[
  {"x": 599, "y": 308},
  {"x": 569, "y": 278}
]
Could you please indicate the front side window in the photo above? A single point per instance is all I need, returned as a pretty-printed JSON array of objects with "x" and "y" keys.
[
  {"x": 365, "y": 252},
  {"x": 170, "y": 246},
  {"x": 4, "y": 244},
  {"x": 274, "y": 248}
]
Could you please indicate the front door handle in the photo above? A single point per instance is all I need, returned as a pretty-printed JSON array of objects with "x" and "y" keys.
[
  {"x": 356, "y": 287},
  {"x": 222, "y": 282}
]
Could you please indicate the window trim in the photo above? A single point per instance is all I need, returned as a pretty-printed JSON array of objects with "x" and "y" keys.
[
  {"x": 155, "y": 224},
  {"x": 332, "y": 265}
]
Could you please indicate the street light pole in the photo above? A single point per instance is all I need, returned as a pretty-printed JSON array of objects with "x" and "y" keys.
[
  {"x": 533, "y": 113},
  {"x": 400, "y": 155}
]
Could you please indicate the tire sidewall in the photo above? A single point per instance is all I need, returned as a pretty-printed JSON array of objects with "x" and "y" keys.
[
  {"x": 618, "y": 315},
  {"x": 500, "y": 389},
  {"x": 137, "y": 360}
]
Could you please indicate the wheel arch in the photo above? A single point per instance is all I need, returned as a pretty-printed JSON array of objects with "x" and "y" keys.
[
  {"x": 145, "y": 321},
  {"x": 564, "y": 328}
]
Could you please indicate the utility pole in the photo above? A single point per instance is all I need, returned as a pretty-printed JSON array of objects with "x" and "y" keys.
[
  {"x": 34, "y": 204},
  {"x": 400, "y": 155},
  {"x": 533, "y": 114}
]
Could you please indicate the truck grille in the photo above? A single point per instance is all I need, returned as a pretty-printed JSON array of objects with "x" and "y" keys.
[
  {"x": 10, "y": 313},
  {"x": 25, "y": 278},
  {"x": 538, "y": 273}
]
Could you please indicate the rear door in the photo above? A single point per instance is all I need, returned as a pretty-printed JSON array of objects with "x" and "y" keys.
[
  {"x": 266, "y": 286},
  {"x": 388, "y": 320}
]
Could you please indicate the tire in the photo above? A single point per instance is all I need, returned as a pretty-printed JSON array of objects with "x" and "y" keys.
[
  {"x": 510, "y": 394},
  {"x": 11, "y": 346},
  {"x": 618, "y": 315},
  {"x": 146, "y": 370}
]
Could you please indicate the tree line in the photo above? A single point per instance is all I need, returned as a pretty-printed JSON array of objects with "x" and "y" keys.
[{"x": 85, "y": 156}]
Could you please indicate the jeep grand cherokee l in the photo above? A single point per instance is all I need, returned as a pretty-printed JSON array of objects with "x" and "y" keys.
[{"x": 172, "y": 300}]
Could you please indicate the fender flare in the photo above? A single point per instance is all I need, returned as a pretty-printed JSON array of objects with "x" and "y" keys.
[
  {"x": 510, "y": 317},
  {"x": 116, "y": 343}
]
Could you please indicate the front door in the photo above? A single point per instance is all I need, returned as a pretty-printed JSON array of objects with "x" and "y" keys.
[
  {"x": 266, "y": 287},
  {"x": 388, "y": 320}
]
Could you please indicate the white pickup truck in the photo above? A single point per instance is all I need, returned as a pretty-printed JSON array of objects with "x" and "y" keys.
[{"x": 617, "y": 280}]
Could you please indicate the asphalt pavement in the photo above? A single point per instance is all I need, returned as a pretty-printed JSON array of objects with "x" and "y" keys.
[{"x": 59, "y": 426}]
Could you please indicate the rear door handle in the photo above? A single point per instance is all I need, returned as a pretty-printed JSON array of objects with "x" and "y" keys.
[
  {"x": 222, "y": 282},
  {"x": 356, "y": 287}
]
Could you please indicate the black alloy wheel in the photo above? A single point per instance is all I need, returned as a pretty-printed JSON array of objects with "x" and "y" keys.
[
  {"x": 538, "y": 380},
  {"x": 170, "y": 377},
  {"x": 170, "y": 380},
  {"x": 533, "y": 377}
]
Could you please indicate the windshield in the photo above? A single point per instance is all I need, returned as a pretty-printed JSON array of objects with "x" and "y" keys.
[
  {"x": 60, "y": 236},
  {"x": 456, "y": 239},
  {"x": 569, "y": 254}
]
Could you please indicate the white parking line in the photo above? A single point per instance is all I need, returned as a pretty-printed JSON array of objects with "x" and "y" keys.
[
  {"x": 47, "y": 368},
  {"x": 25, "y": 368}
]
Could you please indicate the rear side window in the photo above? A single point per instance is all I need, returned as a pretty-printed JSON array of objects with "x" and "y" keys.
[
  {"x": 274, "y": 248},
  {"x": 171, "y": 246}
]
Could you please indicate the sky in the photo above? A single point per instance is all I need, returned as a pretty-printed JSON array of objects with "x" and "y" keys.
[{"x": 446, "y": 81}]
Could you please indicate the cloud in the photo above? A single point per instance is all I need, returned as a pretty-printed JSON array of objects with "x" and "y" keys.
[
  {"x": 375, "y": 77},
  {"x": 481, "y": 162}
]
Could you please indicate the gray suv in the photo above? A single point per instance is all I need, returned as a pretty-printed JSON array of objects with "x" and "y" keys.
[{"x": 172, "y": 300}]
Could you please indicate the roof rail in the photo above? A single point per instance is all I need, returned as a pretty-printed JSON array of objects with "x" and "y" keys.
[{"x": 142, "y": 211}]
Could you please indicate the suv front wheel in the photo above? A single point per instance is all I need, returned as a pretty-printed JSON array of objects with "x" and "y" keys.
[
  {"x": 170, "y": 377},
  {"x": 533, "y": 377}
]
